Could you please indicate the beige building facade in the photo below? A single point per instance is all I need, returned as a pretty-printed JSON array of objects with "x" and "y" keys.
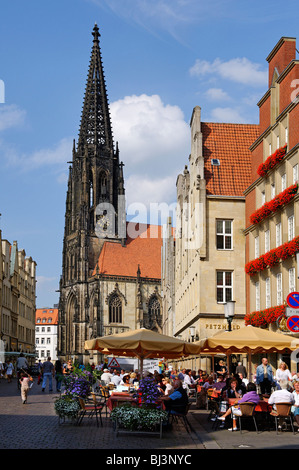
[
  {"x": 18, "y": 300},
  {"x": 209, "y": 254}
]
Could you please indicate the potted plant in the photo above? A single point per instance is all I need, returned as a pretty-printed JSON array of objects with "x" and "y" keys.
[{"x": 138, "y": 419}]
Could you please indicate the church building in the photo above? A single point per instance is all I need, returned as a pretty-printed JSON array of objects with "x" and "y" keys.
[{"x": 111, "y": 268}]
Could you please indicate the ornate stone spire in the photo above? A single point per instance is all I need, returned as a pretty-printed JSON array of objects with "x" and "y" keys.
[{"x": 95, "y": 128}]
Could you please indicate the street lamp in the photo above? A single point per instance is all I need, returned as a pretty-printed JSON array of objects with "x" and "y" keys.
[
  {"x": 192, "y": 332},
  {"x": 229, "y": 313}
]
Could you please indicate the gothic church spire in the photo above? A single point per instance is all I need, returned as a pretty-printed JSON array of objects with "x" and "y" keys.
[{"x": 95, "y": 128}]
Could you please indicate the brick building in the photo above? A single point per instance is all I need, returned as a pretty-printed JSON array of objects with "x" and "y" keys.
[{"x": 272, "y": 210}]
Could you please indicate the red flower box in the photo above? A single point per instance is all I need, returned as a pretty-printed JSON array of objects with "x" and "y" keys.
[
  {"x": 272, "y": 160},
  {"x": 272, "y": 257},
  {"x": 269, "y": 207},
  {"x": 262, "y": 318}
]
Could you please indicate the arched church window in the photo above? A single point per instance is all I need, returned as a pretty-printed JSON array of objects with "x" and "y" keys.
[
  {"x": 115, "y": 309},
  {"x": 154, "y": 310},
  {"x": 103, "y": 185}
]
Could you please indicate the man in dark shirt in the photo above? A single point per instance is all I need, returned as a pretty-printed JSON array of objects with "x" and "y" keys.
[
  {"x": 48, "y": 374},
  {"x": 177, "y": 401}
]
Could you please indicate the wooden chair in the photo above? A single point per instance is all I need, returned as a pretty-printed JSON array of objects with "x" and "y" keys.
[
  {"x": 104, "y": 392},
  {"x": 282, "y": 413},
  {"x": 89, "y": 408},
  {"x": 248, "y": 411},
  {"x": 176, "y": 415}
]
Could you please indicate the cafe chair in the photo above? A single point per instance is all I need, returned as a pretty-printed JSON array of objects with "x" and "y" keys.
[
  {"x": 89, "y": 408},
  {"x": 282, "y": 413},
  {"x": 248, "y": 411},
  {"x": 104, "y": 392},
  {"x": 213, "y": 405},
  {"x": 176, "y": 415}
]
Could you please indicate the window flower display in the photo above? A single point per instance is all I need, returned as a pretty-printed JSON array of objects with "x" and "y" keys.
[
  {"x": 276, "y": 203},
  {"x": 271, "y": 161}
]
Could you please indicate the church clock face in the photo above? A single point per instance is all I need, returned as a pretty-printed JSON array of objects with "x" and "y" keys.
[{"x": 102, "y": 226}]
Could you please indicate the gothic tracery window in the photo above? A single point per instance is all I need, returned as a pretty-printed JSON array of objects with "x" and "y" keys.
[
  {"x": 115, "y": 309},
  {"x": 154, "y": 311}
]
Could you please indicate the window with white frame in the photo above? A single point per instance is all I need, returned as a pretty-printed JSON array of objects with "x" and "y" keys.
[
  {"x": 295, "y": 173},
  {"x": 257, "y": 296},
  {"x": 292, "y": 280},
  {"x": 263, "y": 197},
  {"x": 286, "y": 135},
  {"x": 224, "y": 286},
  {"x": 257, "y": 247},
  {"x": 278, "y": 234},
  {"x": 279, "y": 288},
  {"x": 272, "y": 190},
  {"x": 283, "y": 181},
  {"x": 267, "y": 241},
  {"x": 270, "y": 149},
  {"x": 277, "y": 142},
  {"x": 291, "y": 227},
  {"x": 268, "y": 293},
  {"x": 224, "y": 234}
]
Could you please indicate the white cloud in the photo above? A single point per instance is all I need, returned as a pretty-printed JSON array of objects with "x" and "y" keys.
[
  {"x": 154, "y": 139},
  {"x": 238, "y": 70},
  {"x": 56, "y": 156},
  {"x": 11, "y": 116},
  {"x": 217, "y": 94},
  {"x": 154, "y": 143}
]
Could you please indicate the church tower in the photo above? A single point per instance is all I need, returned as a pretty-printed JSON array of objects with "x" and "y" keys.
[{"x": 95, "y": 207}]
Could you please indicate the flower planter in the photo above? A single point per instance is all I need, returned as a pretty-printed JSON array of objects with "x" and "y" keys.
[
  {"x": 272, "y": 257},
  {"x": 138, "y": 420},
  {"x": 271, "y": 161},
  {"x": 272, "y": 206}
]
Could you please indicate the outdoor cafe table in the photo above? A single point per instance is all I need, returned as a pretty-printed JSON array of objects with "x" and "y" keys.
[{"x": 116, "y": 397}]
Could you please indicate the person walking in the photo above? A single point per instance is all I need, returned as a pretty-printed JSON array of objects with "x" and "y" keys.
[
  {"x": 58, "y": 374},
  {"x": 264, "y": 377},
  {"x": 9, "y": 370},
  {"x": 240, "y": 369},
  {"x": 25, "y": 380},
  {"x": 48, "y": 374}
]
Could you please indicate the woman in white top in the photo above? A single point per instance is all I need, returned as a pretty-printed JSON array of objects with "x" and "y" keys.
[
  {"x": 189, "y": 380},
  {"x": 168, "y": 386},
  {"x": 283, "y": 375}
]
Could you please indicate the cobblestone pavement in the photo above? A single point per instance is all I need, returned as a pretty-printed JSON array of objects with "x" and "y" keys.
[{"x": 35, "y": 426}]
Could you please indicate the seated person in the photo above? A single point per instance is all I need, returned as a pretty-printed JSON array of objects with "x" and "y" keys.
[
  {"x": 189, "y": 380},
  {"x": 250, "y": 396},
  {"x": 281, "y": 396},
  {"x": 233, "y": 390},
  {"x": 126, "y": 381},
  {"x": 177, "y": 401},
  {"x": 168, "y": 387}
]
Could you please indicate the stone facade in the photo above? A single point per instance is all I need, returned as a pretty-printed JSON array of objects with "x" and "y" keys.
[
  {"x": 209, "y": 253},
  {"x": 18, "y": 287}
]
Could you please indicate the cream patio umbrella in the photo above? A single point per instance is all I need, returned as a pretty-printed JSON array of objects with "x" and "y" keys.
[
  {"x": 142, "y": 343},
  {"x": 248, "y": 339}
]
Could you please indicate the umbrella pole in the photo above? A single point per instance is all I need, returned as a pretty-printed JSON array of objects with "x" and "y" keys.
[{"x": 249, "y": 366}]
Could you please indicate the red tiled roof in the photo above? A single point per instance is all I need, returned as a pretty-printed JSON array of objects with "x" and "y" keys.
[
  {"x": 144, "y": 250},
  {"x": 46, "y": 314},
  {"x": 229, "y": 143}
]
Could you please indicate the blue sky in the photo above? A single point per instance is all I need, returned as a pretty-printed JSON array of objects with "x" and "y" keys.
[{"x": 161, "y": 58}]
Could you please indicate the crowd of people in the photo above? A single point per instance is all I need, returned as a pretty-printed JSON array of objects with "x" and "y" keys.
[{"x": 175, "y": 385}]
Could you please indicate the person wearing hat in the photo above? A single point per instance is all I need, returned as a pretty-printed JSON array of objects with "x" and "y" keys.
[{"x": 106, "y": 376}]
